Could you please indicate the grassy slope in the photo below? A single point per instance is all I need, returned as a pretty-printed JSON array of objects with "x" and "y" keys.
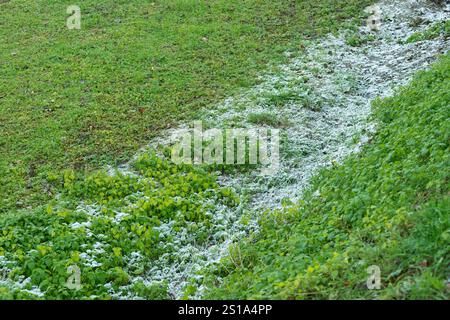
[
  {"x": 82, "y": 98},
  {"x": 387, "y": 206}
]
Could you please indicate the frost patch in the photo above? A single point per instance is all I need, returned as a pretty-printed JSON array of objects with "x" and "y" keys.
[{"x": 322, "y": 101}]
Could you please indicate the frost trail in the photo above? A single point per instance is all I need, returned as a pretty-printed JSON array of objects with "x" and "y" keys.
[
  {"x": 326, "y": 94},
  {"x": 321, "y": 101}
]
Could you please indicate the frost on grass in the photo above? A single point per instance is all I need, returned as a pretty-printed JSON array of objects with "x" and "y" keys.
[
  {"x": 22, "y": 284},
  {"x": 322, "y": 97},
  {"x": 320, "y": 101}
]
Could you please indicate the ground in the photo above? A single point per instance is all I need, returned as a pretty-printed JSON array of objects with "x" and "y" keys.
[
  {"x": 109, "y": 96},
  {"x": 80, "y": 99}
]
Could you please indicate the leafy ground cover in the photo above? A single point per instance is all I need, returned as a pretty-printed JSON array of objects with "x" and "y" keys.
[
  {"x": 387, "y": 206},
  {"x": 75, "y": 101},
  {"x": 79, "y": 99},
  {"x": 108, "y": 225}
]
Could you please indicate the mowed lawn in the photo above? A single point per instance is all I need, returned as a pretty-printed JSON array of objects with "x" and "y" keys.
[{"x": 80, "y": 99}]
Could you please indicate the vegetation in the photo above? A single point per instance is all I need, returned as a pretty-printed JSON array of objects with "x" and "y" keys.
[
  {"x": 356, "y": 39},
  {"x": 106, "y": 225},
  {"x": 387, "y": 206},
  {"x": 72, "y": 101},
  {"x": 266, "y": 118},
  {"x": 432, "y": 32},
  {"x": 80, "y": 99}
]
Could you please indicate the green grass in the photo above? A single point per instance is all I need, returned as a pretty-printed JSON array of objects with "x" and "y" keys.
[
  {"x": 387, "y": 206},
  {"x": 267, "y": 118},
  {"x": 72, "y": 101},
  {"x": 357, "y": 40},
  {"x": 79, "y": 99},
  {"x": 279, "y": 100},
  {"x": 432, "y": 32}
]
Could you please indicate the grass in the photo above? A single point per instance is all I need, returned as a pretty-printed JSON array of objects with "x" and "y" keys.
[
  {"x": 279, "y": 100},
  {"x": 357, "y": 40},
  {"x": 432, "y": 32},
  {"x": 387, "y": 206},
  {"x": 72, "y": 101},
  {"x": 267, "y": 118},
  {"x": 80, "y": 99}
]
